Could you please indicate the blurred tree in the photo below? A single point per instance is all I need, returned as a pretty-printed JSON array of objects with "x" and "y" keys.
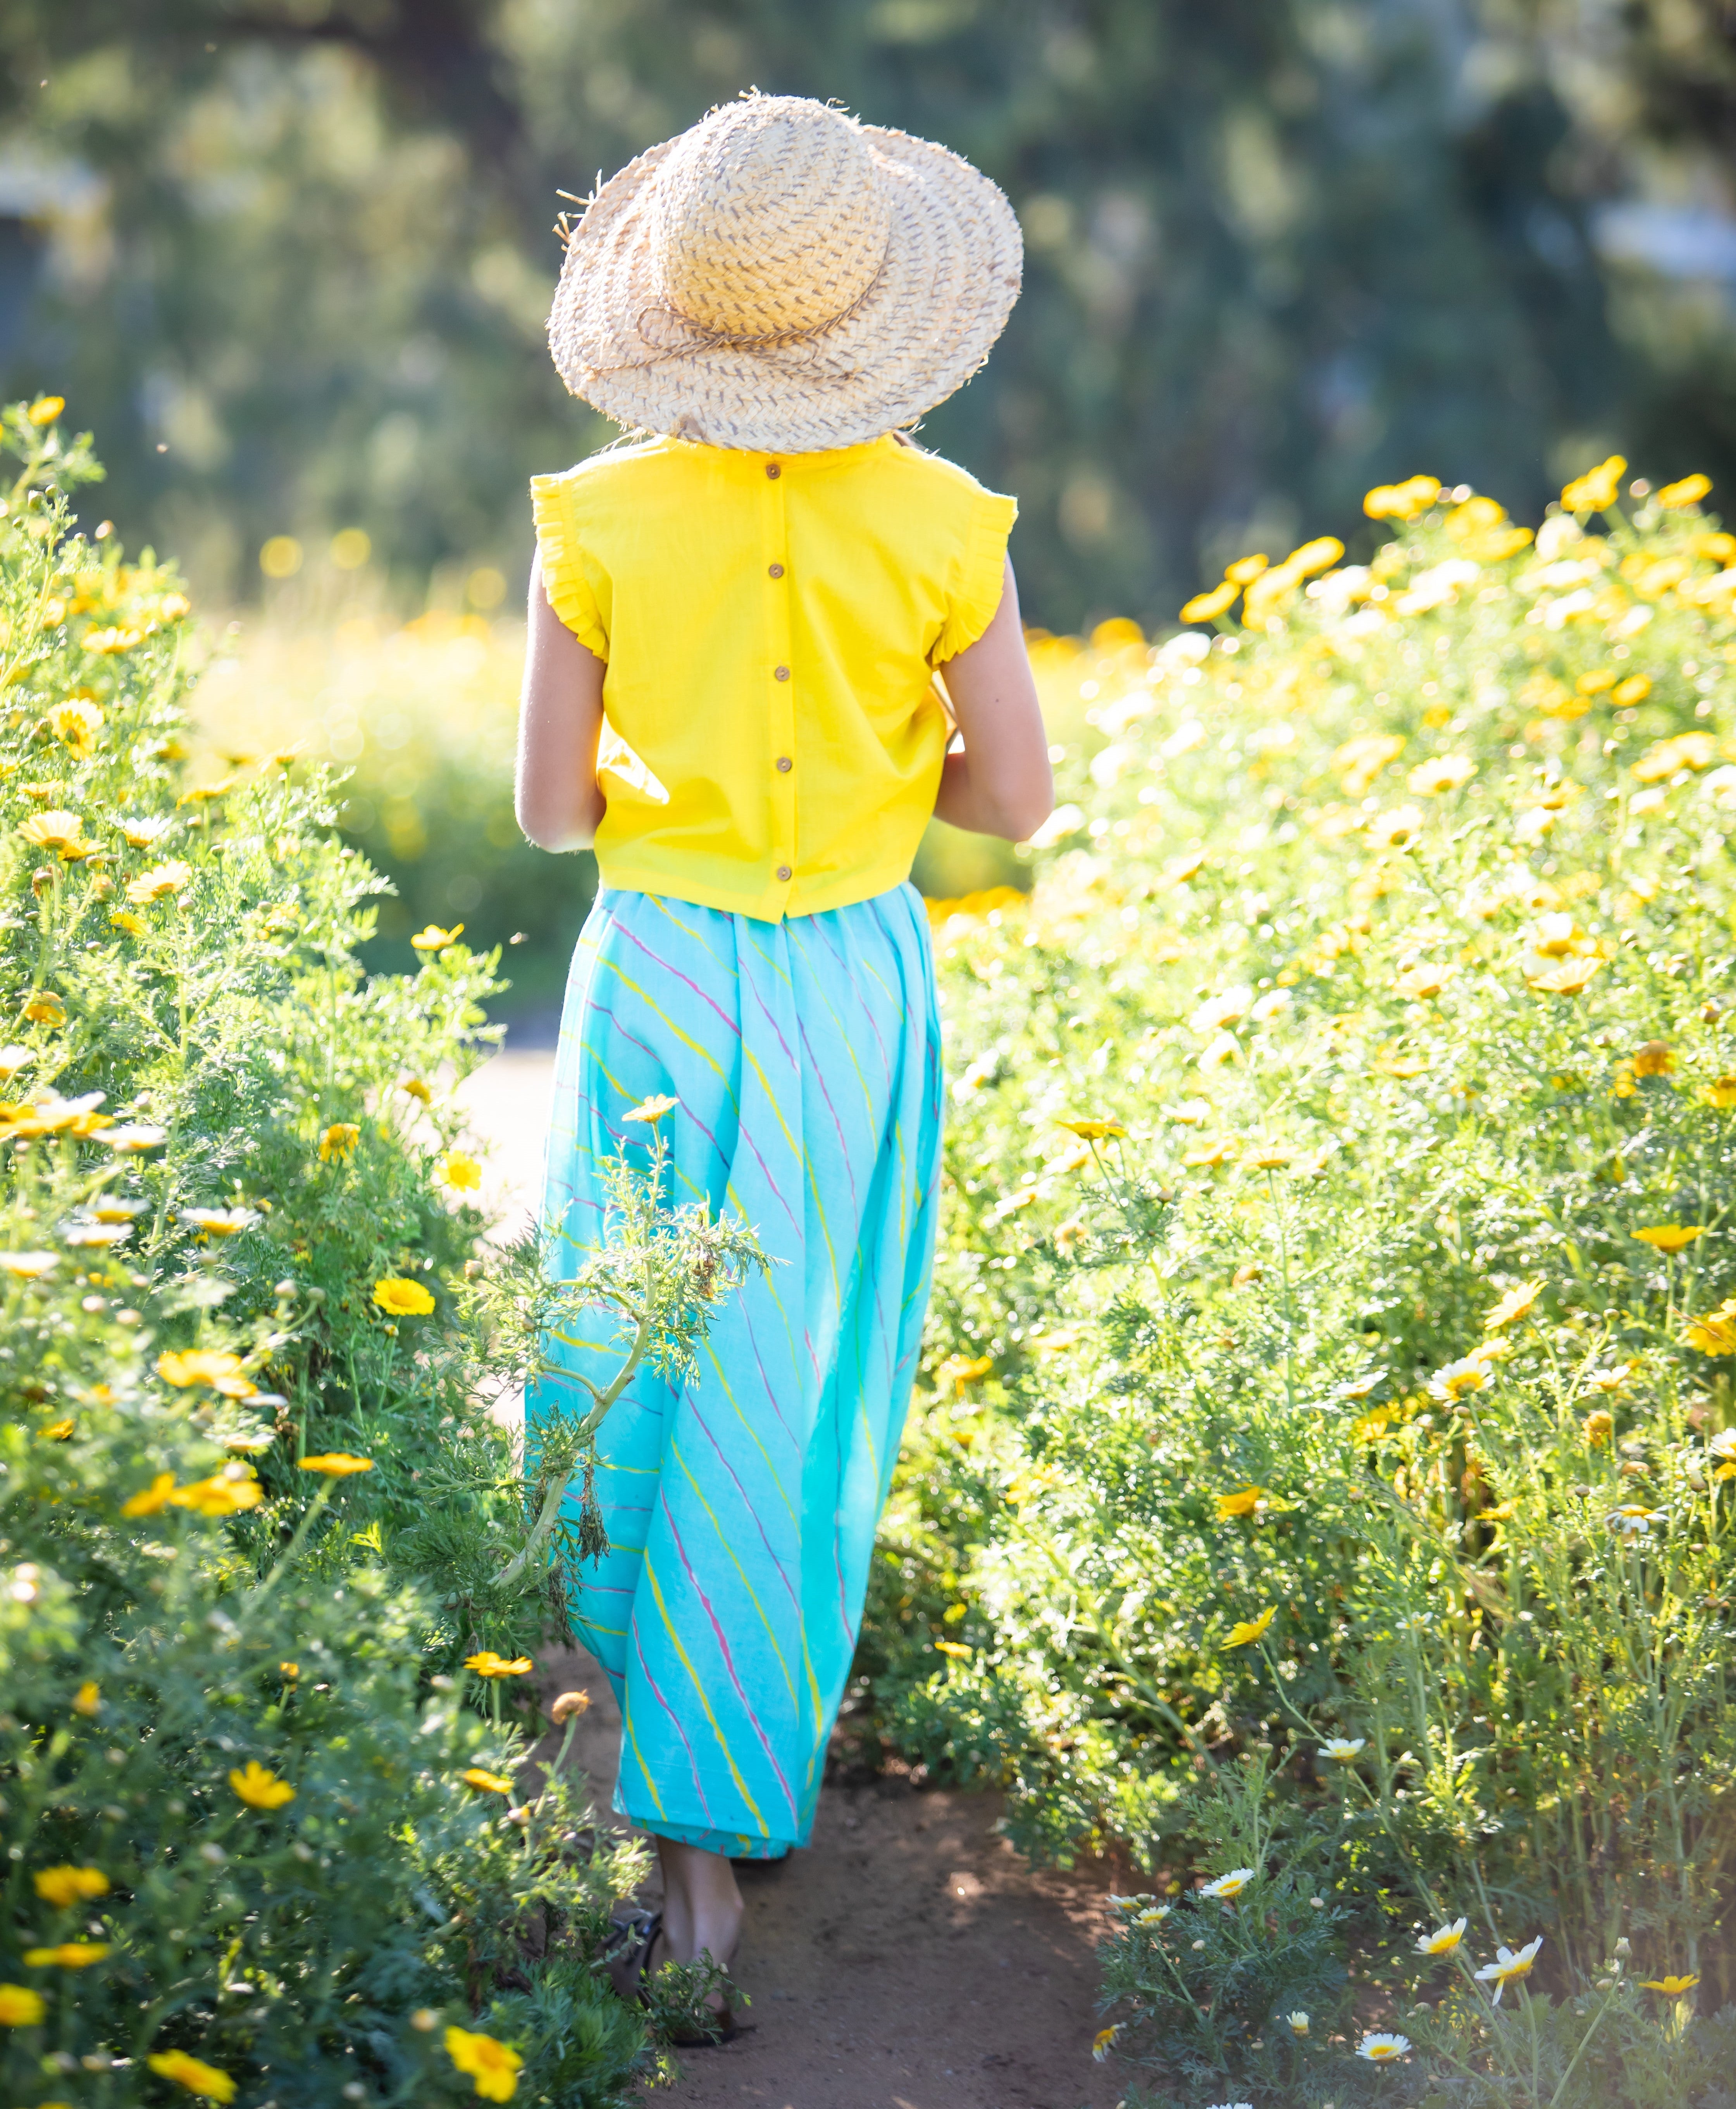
[
  {"x": 300, "y": 252},
  {"x": 1652, "y": 88}
]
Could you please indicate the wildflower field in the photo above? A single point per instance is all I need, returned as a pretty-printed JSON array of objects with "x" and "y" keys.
[
  {"x": 269, "y": 1582},
  {"x": 1321, "y": 1487},
  {"x": 417, "y": 720},
  {"x": 1327, "y": 1487}
]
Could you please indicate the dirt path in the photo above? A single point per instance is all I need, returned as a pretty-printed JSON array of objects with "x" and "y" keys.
[{"x": 908, "y": 1959}]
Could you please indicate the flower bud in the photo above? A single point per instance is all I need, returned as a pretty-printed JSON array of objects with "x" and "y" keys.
[{"x": 568, "y": 1704}]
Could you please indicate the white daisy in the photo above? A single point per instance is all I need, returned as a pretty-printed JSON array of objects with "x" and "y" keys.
[
  {"x": 1230, "y": 1886},
  {"x": 1507, "y": 1966},
  {"x": 1298, "y": 2023},
  {"x": 219, "y": 1222},
  {"x": 1381, "y": 2049},
  {"x": 1443, "y": 1940},
  {"x": 1344, "y": 1748}
]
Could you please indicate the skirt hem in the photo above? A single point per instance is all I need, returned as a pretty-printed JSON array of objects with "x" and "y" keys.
[{"x": 731, "y": 1844}]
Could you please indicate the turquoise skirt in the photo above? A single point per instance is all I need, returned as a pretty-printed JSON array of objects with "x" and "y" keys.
[{"x": 742, "y": 1507}]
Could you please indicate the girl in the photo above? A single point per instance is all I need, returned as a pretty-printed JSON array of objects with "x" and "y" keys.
[{"x": 734, "y": 628}]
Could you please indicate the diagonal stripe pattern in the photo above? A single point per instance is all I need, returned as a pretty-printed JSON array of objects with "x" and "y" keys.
[{"x": 742, "y": 1507}]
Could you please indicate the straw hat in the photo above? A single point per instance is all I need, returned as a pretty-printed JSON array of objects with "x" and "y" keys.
[{"x": 783, "y": 278}]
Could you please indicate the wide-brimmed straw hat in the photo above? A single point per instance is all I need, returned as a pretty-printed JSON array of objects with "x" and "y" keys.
[{"x": 783, "y": 278}]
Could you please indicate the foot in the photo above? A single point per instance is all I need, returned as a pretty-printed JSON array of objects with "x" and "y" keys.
[
  {"x": 715, "y": 1940},
  {"x": 701, "y": 1911}
]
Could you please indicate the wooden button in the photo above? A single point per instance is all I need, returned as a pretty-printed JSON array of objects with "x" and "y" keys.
[
  {"x": 774, "y": 571},
  {"x": 784, "y": 873},
  {"x": 781, "y": 673},
  {"x": 784, "y": 765},
  {"x": 773, "y": 470}
]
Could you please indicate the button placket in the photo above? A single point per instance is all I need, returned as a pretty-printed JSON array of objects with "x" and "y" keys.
[{"x": 781, "y": 715}]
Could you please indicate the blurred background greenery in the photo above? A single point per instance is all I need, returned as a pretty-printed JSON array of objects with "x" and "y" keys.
[{"x": 291, "y": 260}]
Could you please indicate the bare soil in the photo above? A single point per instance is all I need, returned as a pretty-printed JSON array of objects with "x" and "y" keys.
[{"x": 908, "y": 1958}]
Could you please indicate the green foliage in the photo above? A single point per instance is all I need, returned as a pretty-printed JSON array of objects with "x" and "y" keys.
[
  {"x": 663, "y": 1275},
  {"x": 255, "y": 1811},
  {"x": 1330, "y": 1350},
  {"x": 664, "y": 1272},
  {"x": 419, "y": 718},
  {"x": 578, "y": 2047},
  {"x": 1217, "y": 1978},
  {"x": 1604, "y": 2050}
]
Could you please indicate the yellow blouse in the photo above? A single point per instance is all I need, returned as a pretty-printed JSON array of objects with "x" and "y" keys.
[{"x": 773, "y": 739}]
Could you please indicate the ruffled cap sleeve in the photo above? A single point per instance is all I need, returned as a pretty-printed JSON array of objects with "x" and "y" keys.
[
  {"x": 565, "y": 579},
  {"x": 981, "y": 574}
]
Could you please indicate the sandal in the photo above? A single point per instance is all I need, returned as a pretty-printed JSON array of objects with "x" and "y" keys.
[
  {"x": 627, "y": 1956},
  {"x": 627, "y": 1950}
]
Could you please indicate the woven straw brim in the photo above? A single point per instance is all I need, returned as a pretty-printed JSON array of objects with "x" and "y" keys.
[{"x": 949, "y": 278}]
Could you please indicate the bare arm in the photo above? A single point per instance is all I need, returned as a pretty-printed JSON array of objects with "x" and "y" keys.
[
  {"x": 1001, "y": 785},
  {"x": 560, "y": 720}
]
